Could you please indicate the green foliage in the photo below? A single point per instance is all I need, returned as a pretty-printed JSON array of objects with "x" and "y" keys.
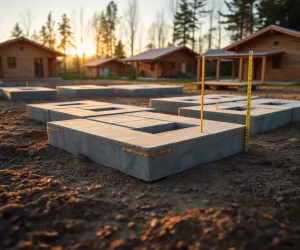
[
  {"x": 50, "y": 32},
  {"x": 66, "y": 34},
  {"x": 281, "y": 12},
  {"x": 132, "y": 72},
  {"x": 183, "y": 24},
  {"x": 239, "y": 18},
  {"x": 43, "y": 35},
  {"x": 16, "y": 32},
  {"x": 197, "y": 7},
  {"x": 119, "y": 50}
]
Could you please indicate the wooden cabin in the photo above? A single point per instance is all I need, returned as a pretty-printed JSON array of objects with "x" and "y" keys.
[
  {"x": 276, "y": 56},
  {"x": 23, "y": 58},
  {"x": 171, "y": 62},
  {"x": 105, "y": 67}
]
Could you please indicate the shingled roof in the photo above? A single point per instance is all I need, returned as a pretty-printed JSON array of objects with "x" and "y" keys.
[
  {"x": 19, "y": 39},
  {"x": 101, "y": 61},
  {"x": 291, "y": 32},
  {"x": 154, "y": 54}
]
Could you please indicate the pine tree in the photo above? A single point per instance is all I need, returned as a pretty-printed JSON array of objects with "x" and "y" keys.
[
  {"x": 35, "y": 36},
  {"x": 16, "y": 32},
  {"x": 183, "y": 24},
  {"x": 281, "y": 12},
  {"x": 50, "y": 32},
  {"x": 240, "y": 20},
  {"x": 111, "y": 22},
  {"x": 43, "y": 35},
  {"x": 197, "y": 8},
  {"x": 119, "y": 50},
  {"x": 66, "y": 35}
]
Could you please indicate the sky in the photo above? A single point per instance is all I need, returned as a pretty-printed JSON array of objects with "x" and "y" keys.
[{"x": 11, "y": 11}]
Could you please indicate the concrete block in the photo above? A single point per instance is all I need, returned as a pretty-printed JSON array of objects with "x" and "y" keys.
[
  {"x": 41, "y": 112},
  {"x": 262, "y": 119},
  {"x": 85, "y": 91},
  {"x": 138, "y": 149},
  {"x": 172, "y": 105},
  {"x": 93, "y": 111},
  {"x": 28, "y": 93},
  {"x": 139, "y": 90}
]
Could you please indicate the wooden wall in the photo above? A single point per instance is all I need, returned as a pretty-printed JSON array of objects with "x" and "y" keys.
[
  {"x": 113, "y": 67},
  {"x": 25, "y": 54},
  {"x": 290, "y": 64}
]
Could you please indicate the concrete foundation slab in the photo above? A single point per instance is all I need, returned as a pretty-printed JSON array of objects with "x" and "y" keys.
[
  {"x": 172, "y": 105},
  {"x": 262, "y": 119},
  {"x": 28, "y": 93},
  {"x": 139, "y": 90},
  {"x": 85, "y": 91},
  {"x": 148, "y": 149},
  {"x": 41, "y": 112}
]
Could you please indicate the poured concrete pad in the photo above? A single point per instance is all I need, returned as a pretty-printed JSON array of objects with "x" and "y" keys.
[
  {"x": 85, "y": 91},
  {"x": 41, "y": 112},
  {"x": 94, "y": 110},
  {"x": 149, "y": 148},
  {"x": 28, "y": 93},
  {"x": 172, "y": 105},
  {"x": 262, "y": 119},
  {"x": 138, "y": 90}
]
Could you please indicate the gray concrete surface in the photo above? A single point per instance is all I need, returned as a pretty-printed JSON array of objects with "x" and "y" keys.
[
  {"x": 262, "y": 119},
  {"x": 85, "y": 91},
  {"x": 140, "y": 90},
  {"x": 139, "y": 149},
  {"x": 41, "y": 112},
  {"x": 171, "y": 105},
  {"x": 28, "y": 93}
]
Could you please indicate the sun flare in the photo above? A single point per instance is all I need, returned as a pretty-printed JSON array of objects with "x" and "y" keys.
[{"x": 86, "y": 49}]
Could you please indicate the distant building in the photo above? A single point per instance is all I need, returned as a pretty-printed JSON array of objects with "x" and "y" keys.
[
  {"x": 276, "y": 56},
  {"x": 23, "y": 58},
  {"x": 105, "y": 67},
  {"x": 171, "y": 62}
]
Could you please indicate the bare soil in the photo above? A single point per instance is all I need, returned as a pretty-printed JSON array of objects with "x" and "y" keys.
[{"x": 50, "y": 199}]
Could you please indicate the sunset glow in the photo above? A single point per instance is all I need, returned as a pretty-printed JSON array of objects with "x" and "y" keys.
[{"x": 86, "y": 48}]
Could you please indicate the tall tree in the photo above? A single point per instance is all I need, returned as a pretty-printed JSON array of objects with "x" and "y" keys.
[
  {"x": 50, "y": 24},
  {"x": 16, "y": 32},
  {"x": 96, "y": 29},
  {"x": 198, "y": 11},
  {"x": 132, "y": 19},
  {"x": 183, "y": 24},
  {"x": 161, "y": 26},
  {"x": 111, "y": 23},
  {"x": 43, "y": 35},
  {"x": 240, "y": 19},
  {"x": 35, "y": 36},
  {"x": 151, "y": 38},
  {"x": 119, "y": 50},
  {"x": 280, "y": 12},
  {"x": 26, "y": 21},
  {"x": 66, "y": 35}
]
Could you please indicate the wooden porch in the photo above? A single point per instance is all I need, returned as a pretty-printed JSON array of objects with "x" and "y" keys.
[{"x": 239, "y": 70}]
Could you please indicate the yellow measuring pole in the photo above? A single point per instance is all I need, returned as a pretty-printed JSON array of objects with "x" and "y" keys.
[
  {"x": 249, "y": 90},
  {"x": 202, "y": 94}
]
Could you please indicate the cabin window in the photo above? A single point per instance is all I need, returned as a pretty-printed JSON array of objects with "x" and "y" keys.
[
  {"x": 152, "y": 66},
  {"x": 11, "y": 62},
  {"x": 276, "y": 62},
  {"x": 172, "y": 65},
  {"x": 276, "y": 43}
]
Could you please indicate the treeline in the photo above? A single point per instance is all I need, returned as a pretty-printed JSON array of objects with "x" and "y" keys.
[{"x": 181, "y": 23}]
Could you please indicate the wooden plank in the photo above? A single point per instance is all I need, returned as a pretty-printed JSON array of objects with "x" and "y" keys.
[
  {"x": 156, "y": 69},
  {"x": 241, "y": 70},
  {"x": 218, "y": 70},
  {"x": 263, "y": 69}
]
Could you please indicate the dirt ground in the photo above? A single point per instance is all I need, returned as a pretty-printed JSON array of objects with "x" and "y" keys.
[{"x": 50, "y": 199}]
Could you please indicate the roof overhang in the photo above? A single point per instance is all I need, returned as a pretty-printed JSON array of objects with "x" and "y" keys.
[
  {"x": 242, "y": 55},
  {"x": 21, "y": 39},
  {"x": 261, "y": 32}
]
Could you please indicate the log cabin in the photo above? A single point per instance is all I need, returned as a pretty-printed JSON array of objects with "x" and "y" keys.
[
  {"x": 276, "y": 56},
  {"x": 171, "y": 62},
  {"x": 105, "y": 67},
  {"x": 23, "y": 58}
]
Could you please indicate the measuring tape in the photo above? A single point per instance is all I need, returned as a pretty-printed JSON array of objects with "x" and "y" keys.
[{"x": 249, "y": 90}]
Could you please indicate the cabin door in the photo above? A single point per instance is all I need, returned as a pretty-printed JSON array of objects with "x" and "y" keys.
[
  {"x": 183, "y": 68},
  {"x": 38, "y": 67}
]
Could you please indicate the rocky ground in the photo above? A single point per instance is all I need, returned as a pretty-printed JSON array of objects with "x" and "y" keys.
[{"x": 50, "y": 199}]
